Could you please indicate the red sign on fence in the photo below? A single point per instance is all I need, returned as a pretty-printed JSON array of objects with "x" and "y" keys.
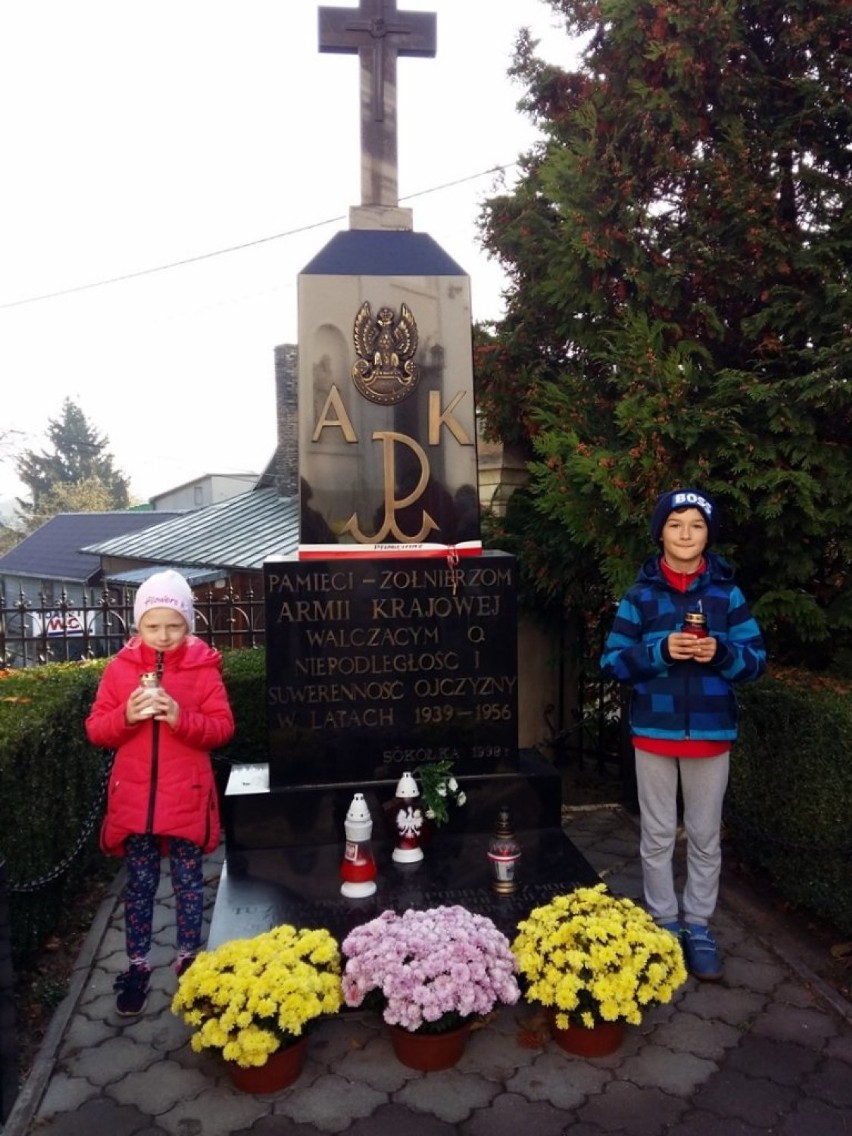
[{"x": 63, "y": 622}]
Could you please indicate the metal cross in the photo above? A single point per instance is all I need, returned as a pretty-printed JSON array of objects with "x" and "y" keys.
[{"x": 378, "y": 33}]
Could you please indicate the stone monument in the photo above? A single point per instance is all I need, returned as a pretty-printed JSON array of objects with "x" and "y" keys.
[{"x": 392, "y": 636}]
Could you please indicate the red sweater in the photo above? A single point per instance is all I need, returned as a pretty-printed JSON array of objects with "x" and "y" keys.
[{"x": 162, "y": 779}]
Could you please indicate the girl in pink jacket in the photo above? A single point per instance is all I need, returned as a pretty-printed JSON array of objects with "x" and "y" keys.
[{"x": 162, "y": 794}]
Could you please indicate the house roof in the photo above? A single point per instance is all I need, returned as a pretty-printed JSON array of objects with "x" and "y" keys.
[
  {"x": 56, "y": 550},
  {"x": 133, "y": 577},
  {"x": 245, "y": 475},
  {"x": 240, "y": 532}
]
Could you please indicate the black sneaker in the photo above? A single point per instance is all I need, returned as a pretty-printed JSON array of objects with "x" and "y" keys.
[{"x": 132, "y": 991}]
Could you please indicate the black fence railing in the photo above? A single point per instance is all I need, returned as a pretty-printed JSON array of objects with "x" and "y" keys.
[
  {"x": 39, "y": 630},
  {"x": 590, "y": 728}
]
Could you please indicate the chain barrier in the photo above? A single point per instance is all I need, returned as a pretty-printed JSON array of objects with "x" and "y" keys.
[
  {"x": 88, "y": 825},
  {"x": 65, "y": 863},
  {"x": 732, "y": 818}
]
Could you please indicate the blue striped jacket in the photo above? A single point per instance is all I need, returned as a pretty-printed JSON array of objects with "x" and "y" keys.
[{"x": 683, "y": 699}]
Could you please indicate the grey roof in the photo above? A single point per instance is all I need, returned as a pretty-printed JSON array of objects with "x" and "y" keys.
[
  {"x": 240, "y": 532},
  {"x": 57, "y": 550},
  {"x": 133, "y": 577},
  {"x": 244, "y": 475}
]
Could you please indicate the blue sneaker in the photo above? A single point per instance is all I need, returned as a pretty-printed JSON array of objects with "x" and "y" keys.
[
  {"x": 675, "y": 928},
  {"x": 702, "y": 954}
]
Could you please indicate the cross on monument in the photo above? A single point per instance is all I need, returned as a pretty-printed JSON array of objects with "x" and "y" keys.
[{"x": 378, "y": 33}]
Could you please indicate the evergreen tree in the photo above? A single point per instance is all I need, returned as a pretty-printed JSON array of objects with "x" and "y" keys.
[
  {"x": 9, "y": 537},
  {"x": 679, "y": 250},
  {"x": 76, "y": 476}
]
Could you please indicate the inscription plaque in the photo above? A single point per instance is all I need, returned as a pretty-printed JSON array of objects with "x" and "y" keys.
[{"x": 375, "y": 666}]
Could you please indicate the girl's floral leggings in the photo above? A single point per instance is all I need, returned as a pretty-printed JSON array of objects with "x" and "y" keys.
[{"x": 143, "y": 878}]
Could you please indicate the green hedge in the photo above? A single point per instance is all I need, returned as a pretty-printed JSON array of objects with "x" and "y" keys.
[
  {"x": 245, "y": 677},
  {"x": 51, "y": 778},
  {"x": 49, "y": 782},
  {"x": 789, "y": 807}
]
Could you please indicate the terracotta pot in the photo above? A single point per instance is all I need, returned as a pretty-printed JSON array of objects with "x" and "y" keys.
[
  {"x": 429, "y": 1051},
  {"x": 601, "y": 1040},
  {"x": 282, "y": 1068}
]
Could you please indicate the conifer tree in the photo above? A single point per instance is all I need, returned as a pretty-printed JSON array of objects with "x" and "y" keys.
[
  {"x": 9, "y": 537},
  {"x": 679, "y": 250},
  {"x": 76, "y": 475}
]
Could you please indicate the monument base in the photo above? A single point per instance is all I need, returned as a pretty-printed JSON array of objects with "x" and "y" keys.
[
  {"x": 285, "y": 847},
  {"x": 300, "y": 885}
]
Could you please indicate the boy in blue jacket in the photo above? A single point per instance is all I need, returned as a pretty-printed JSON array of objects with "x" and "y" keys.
[{"x": 683, "y": 712}]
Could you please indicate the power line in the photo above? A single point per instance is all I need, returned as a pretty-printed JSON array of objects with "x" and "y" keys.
[
  {"x": 234, "y": 248},
  {"x": 165, "y": 267}
]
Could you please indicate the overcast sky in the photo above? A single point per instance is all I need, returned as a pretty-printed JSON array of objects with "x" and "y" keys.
[{"x": 138, "y": 134}]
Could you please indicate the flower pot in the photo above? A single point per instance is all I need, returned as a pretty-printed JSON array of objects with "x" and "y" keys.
[
  {"x": 429, "y": 1051},
  {"x": 282, "y": 1068},
  {"x": 601, "y": 1040}
]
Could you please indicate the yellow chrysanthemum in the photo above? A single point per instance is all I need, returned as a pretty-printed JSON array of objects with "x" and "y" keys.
[
  {"x": 596, "y": 957},
  {"x": 248, "y": 997}
]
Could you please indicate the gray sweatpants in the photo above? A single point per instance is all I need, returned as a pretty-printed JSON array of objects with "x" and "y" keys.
[{"x": 703, "y": 783}]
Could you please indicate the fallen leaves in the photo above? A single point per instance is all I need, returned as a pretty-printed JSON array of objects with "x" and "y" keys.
[{"x": 535, "y": 1030}]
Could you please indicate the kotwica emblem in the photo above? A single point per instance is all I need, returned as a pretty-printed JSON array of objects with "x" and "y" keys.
[{"x": 385, "y": 371}]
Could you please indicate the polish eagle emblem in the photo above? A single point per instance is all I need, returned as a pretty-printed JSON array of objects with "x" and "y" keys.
[{"x": 385, "y": 371}]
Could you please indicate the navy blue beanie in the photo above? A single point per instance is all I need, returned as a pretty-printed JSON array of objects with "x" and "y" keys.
[{"x": 684, "y": 499}]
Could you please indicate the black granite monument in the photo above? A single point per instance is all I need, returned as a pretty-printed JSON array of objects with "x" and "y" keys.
[{"x": 391, "y": 636}]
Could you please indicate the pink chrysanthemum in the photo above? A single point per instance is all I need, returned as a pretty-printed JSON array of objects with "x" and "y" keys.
[{"x": 431, "y": 968}]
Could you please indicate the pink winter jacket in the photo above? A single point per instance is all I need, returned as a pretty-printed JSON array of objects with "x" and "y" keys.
[{"x": 162, "y": 779}]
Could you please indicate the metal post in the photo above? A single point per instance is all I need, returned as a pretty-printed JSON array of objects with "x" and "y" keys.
[{"x": 8, "y": 1045}]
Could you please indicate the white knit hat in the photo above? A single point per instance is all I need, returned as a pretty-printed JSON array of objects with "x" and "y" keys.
[{"x": 165, "y": 589}]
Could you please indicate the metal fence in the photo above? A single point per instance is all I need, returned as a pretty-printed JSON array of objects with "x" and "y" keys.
[
  {"x": 94, "y": 626},
  {"x": 589, "y": 729}
]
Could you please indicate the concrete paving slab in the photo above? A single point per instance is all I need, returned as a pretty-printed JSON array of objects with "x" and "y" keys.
[
  {"x": 511, "y": 1114},
  {"x": 330, "y": 1104},
  {"x": 632, "y": 1110},
  {"x": 560, "y": 1079},
  {"x": 756, "y": 1100},
  {"x": 216, "y": 1112}
]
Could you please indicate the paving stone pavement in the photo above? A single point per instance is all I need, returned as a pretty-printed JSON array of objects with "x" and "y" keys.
[{"x": 766, "y": 1050}]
